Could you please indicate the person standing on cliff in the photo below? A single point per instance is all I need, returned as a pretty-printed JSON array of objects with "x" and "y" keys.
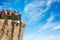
[
  {"x": 3, "y": 14},
  {"x": 18, "y": 15},
  {"x": 9, "y": 14},
  {"x": 14, "y": 14}
]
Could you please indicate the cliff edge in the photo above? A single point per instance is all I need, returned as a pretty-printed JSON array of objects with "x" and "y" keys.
[{"x": 11, "y": 29}]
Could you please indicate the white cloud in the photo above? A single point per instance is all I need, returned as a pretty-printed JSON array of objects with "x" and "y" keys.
[
  {"x": 6, "y": 4},
  {"x": 56, "y": 27},
  {"x": 0, "y": 7},
  {"x": 9, "y": 4},
  {"x": 49, "y": 2},
  {"x": 54, "y": 37},
  {"x": 49, "y": 23},
  {"x": 47, "y": 26},
  {"x": 34, "y": 11},
  {"x": 51, "y": 18},
  {"x": 10, "y": 8},
  {"x": 41, "y": 37},
  {"x": 53, "y": 26}
]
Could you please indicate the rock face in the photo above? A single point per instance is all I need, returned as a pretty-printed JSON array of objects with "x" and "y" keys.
[{"x": 11, "y": 29}]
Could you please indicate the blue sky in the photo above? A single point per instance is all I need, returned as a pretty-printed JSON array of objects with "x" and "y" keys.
[{"x": 42, "y": 17}]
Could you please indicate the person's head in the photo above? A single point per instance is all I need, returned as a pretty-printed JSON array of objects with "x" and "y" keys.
[
  {"x": 9, "y": 10},
  {"x": 3, "y": 9},
  {"x": 14, "y": 11}
]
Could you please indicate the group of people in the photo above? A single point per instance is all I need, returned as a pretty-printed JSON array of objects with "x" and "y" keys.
[{"x": 9, "y": 14}]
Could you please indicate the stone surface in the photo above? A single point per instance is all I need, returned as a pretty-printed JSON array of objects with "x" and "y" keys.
[{"x": 11, "y": 29}]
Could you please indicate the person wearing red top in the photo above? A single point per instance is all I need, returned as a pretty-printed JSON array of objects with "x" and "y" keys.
[
  {"x": 3, "y": 13},
  {"x": 14, "y": 13}
]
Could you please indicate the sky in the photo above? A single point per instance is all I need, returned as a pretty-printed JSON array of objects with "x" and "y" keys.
[{"x": 42, "y": 17}]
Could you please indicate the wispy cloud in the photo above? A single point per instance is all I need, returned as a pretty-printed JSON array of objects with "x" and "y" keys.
[
  {"x": 51, "y": 18},
  {"x": 8, "y": 4},
  {"x": 41, "y": 37},
  {"x": 56, "y": 27},
  {"x": 36, "y": 10},
  {"x": 50, "y": 23},
  {"x": 0, "y": 7},
  {"x": 53, "y": 37}
]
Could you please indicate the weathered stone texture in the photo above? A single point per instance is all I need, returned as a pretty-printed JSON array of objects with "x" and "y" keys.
[{"x": 10, "y": 30}]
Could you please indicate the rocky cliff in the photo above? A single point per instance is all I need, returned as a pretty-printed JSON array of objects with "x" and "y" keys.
[{"x": 11, "y": 29}]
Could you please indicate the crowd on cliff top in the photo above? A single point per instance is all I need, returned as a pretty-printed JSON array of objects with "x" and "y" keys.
[{"x": 9, "y": 14}]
